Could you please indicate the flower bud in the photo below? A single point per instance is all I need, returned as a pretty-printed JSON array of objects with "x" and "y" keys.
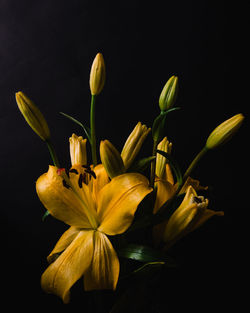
[
  {"x": 78, "y": 153},
  {"x": 169, "y": 94},
  {"x": 97, "y": 75},
  {"x": 133, "y": 144},
  {"x": 33, "y": 116},
  {"x": 222, "y": 133},
  {"x": 161, "y": 161},
  {"x": 111, "y": 159}
]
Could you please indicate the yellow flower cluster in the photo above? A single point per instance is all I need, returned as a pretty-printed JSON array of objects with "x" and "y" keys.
[{"x": 100, "y": 200}]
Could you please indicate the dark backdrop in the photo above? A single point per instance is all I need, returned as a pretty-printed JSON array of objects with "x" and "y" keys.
[{"x": 46, "y": 50}]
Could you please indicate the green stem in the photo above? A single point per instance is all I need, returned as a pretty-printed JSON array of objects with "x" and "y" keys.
[
  {"x": 194, "y": 163},
  {"x": 153, "y": 164},
  {"x": 52, "y": 153},
  {"x": 92, "y": 130}
]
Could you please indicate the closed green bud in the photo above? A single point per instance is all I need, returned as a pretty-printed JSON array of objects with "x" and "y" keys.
[
  {"x": 169, "y": 94},
  {"x": 33, "y": 116},
  {"x": 97, "y": 75},
  {"x": 222, "y": 133},
  {"x": 111, "y": 159}
]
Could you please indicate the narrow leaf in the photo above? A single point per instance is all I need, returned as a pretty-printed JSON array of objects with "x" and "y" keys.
[
  {"x": 174, "y": 165},
  {"x": 144, "y": 254},
  {"x": 85, "y": 128},
  {"x": 141, "y": 165},
  {"x": 45, "y": 215}
]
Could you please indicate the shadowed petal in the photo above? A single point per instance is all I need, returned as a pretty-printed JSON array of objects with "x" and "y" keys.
[
  {"x": 119, "y": 200},
  {"x": 64, "y": 241},
  {"x": 104, "y": 270},
  {"x": 69, "y": 266},
  {"x": 165, "y": 191}
]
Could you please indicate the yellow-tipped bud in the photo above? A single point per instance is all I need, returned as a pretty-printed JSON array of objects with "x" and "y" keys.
[
  {"x": 111, "y": 159},
  {"x": 169, "y": 94},
  {"x": 78, "y": 153},
  {"x": 190, "y": 215},
  {"x": 222, "y": 133},
  {"x": 161, "y": 161},
  {"x": 33, "y": 116},
  {"x": 97, "y": 75},
  {"x": 133, "y": 144}
]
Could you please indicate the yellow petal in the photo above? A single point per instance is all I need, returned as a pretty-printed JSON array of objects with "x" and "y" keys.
[
  {"x": 105, "y": 267},
  {"x": 118, "y": 201},
  {"x": 60, "y": 200},
  {"x": 169, "y": 174},
  {"x": 69, "y": 266},
  {"x": 96, "y": 184},
  {"x": 65, "y": 240},
  {"x": 206, "y": 214},
  {"x": 79, "y": 179},
  {"x": 164, "y": 192}
]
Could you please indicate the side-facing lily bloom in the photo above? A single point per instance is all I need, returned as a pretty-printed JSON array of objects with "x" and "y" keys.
[
  {"x": 93, "y": 208},
  {"x": 176, "y": 227},
  {"x": 190, "y": 215}
]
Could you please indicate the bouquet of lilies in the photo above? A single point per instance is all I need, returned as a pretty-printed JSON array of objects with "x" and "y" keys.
[{"x": 104, "y": 202}]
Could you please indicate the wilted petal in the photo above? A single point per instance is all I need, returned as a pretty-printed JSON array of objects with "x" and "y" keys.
[
  {"x": 69, "y": 266},
  {"x": 118, "y": 201},
  {"x": 104, "y": 270}
]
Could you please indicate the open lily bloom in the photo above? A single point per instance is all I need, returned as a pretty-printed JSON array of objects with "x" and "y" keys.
[{"x": 93, "y": 207}]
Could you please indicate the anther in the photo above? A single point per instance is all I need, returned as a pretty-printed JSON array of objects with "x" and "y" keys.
[
  {"x": 65, "y": 184},
  {"x": 73, "y": 170},
  {"x": 80, "y": 179}
]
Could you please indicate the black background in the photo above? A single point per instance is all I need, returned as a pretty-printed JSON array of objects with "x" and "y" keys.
[{"x": 46, "y": 50}]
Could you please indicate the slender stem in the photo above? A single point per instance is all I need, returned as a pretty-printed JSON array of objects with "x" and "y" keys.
[
  {"x": 194, "y": 163},
  {"x": 153, "y": 164},
  {"x": 92, "y": 130},
  {"x": 52, "y": 153}
]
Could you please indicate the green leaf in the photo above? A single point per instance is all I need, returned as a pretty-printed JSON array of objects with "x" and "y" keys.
[
  {"x": 145, "y": 254},
  {"x": 85, "y": 128},
  {"x": 45, "y": 215},
  {"x": 141, "y": 165},
  {"x": 174, "y": 165}
]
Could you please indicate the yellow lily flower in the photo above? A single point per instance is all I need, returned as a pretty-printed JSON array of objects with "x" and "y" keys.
[
  {"x": 190, "y": 215},
  {"x": 93, "y": 207}
]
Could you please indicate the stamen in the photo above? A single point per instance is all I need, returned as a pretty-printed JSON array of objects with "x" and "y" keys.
[
  {"x": 73, "y": 170},
  {"x": 92, "y": 173}
]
